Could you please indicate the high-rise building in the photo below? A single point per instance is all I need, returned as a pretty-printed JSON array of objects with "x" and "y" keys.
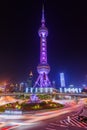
[
  {"x": 30, "y": 80},
  {"x": 62, "y": 80},
  {"x": 29, "y": 83},
  {"x": 43, "y": 68}
]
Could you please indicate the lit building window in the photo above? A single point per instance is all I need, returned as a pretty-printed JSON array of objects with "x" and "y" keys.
[
  {"x": 31, "y": 90},
  {"x": 51, "y": 90},
  {"x": 80, "y": 90},
  {"x": 41, "y": 90},
  {"x": 61, "y": 90},
  {"x": 36, "y": 90},
  {"x": 43, "y": 48},
  {"x": 43, "y": 44},
  {"x": 26, "y": 90},
  {"x": 46, "y": 90},
  {"x": 43, "y": 40},
  {"x": 43, "y": 34},
  {"x": 43, "y": 53}
]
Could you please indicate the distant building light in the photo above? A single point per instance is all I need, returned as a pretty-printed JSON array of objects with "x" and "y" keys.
[
  {"x": 62, "y": 80},
  {"x": 31, "y": 90},
  {"x": 46, "y": 90},
  {"x": 51, "y": 90},
  {"x": 80, "y": 90},
  {"x": 61, "y": 90},
  {"x": 43, "y": 48},
  {"x": 71, "y": 85},
  {"x": 65, "y": 90},
  {"x": 71, "y": 90},
  {"x": 26, "y": 90},
  {"x": 84, "y": 85},
  {"x": 36, "y": 90},
  {"x": 41, "y": 90}
]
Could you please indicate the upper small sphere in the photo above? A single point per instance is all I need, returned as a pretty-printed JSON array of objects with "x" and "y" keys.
[{"x": 43, "y": 31}]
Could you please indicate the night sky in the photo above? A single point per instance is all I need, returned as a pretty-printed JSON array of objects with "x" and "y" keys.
[{"x": 66, "y": 43}]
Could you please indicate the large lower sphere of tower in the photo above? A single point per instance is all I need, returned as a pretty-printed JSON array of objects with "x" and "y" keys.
[{"x": 42, "y": 68}]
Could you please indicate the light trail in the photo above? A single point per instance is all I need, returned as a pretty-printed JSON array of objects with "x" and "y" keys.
[{"x": 37, "y": 118}]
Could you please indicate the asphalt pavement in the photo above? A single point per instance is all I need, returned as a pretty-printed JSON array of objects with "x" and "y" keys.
[{"x": 57, "y": 121}]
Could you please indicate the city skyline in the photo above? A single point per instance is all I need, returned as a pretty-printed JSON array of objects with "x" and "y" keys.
[{"x": 19, "y": 52}]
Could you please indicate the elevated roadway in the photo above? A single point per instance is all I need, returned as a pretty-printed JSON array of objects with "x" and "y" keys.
[{"x": 57, "y": 94}]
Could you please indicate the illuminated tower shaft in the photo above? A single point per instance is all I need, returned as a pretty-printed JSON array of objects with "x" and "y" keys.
[
  {"x": 43, "y": 49},
  {"x": 43, "y": 33},
  {"x": 43, "y": 68}
]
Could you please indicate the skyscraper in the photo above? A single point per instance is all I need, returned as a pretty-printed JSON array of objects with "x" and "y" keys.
[
  {"x": 30, "y": 80},
  {"x": 43, "y": 68},
  {"x": 62, "y": 80}
]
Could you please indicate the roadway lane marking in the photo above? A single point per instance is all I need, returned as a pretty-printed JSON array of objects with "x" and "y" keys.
[
  {"x": 63, "y": 125},
  {"x": 61, "y": 121},
  {"x": 53, "y": 124},
  {"x": 50, "y": 125},
  {"x": 83, "y": 124},
  {"x": 66, "y": 122},
  {"x": 74, "y": 122},
  {"x": 80, "y": 123},
  {"x": 71, "y": 122},
  {"x": 57, "y": 124},
  {"x": 50, "y": 129}
]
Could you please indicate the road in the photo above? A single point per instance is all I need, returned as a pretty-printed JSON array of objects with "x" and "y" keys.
[{"x": 51, "y": 120}]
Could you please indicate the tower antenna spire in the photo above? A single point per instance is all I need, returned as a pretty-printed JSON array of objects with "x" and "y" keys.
[{"x": 43, "y": 18}]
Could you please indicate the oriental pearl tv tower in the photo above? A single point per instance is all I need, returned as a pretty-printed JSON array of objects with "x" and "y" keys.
[{"x": 43, "y": 68}]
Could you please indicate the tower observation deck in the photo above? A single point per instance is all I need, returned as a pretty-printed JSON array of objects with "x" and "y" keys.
[{"x": 43, "y": 68}]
